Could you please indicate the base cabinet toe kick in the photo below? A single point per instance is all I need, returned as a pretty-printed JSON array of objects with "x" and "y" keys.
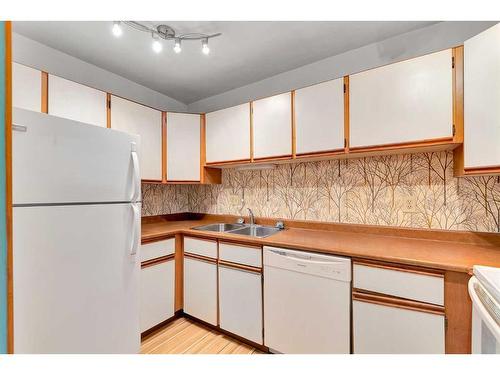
[{"x": 299, "y": 302}]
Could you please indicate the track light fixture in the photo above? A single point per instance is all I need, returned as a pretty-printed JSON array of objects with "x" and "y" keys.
[
  {"x": 156, "y": 45},
  {"x": 167, "y": 33},
  {"x": 117, "y": 29},
  {"x": 204, "y": 46},
  {"x": 177, "y": 45}
]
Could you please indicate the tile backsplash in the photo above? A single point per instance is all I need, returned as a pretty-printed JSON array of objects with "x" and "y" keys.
[{"x": 416, "y": 190}]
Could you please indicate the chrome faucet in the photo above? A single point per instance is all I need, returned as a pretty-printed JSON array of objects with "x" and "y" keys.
[{"x": 252, "y": 218}]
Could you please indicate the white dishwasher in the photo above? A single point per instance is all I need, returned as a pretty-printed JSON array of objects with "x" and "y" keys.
[{"x": 307, "y": 302}]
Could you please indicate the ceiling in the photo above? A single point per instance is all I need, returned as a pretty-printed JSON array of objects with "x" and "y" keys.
[{"x": 246, "y": 52}]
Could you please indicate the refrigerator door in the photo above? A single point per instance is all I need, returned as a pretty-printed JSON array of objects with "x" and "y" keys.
[
  {"x": 59, "y": 161},
  {"x": 76, "y": 275}
]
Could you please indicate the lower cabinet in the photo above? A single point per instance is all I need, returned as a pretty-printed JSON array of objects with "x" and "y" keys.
[
  {"x": 157, "y": 293},
  {"x": 200, "y": 288},
  {"x": 240, "y": 302},
  {"x": 385, "y": 329}
]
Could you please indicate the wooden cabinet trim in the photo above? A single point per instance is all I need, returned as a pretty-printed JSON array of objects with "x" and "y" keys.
[
  {"x": 200, "y": 257},
  {"x": 155, "y": 261},
  {"x": 458, "y": 94},
  {"x": 179, "y": 273},
  {"x": 251, "y": 131},
  {"x": 403, "y": 145},
  {"x": 325, "y": 153},
  {"x": 239, "y": 243},
  {"x": 293, "y": 124},
  {"x": 399, "y": 267},
  {"x": 458, "y": 308},
  {"x": 203, "y": 147},
  {"x": 108, "y": 110},
  {"x": 273, "y": 158},
  {"x": 384, "y": 300},
  {"x": 45, "y": 92},
  {"x": 225, "y": 263},
  {"x": 346, "y": 114}
]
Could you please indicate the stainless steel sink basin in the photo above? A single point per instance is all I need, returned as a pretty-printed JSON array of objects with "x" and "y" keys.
[
  {"x": 220, "y": 227},
  {"x": 259, "y": 231},
  {"x": 256, "y": 231}
]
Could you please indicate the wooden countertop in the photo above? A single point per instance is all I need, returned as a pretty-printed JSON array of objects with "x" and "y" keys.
[{"x": 390, "y": 245}]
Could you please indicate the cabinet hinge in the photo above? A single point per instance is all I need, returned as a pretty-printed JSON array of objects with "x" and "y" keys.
[
  {"x": 454, "y": 129},
  {"x": 345, "y": 142},
  {"x": 453, "y": 62},
  {"x": 109, "y": 103},
  {"x": 345, "y": 88},
  {"x": 445, "y": 323}
]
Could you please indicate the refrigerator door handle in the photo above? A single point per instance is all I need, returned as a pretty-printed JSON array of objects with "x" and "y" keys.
[
  {"x": 137, "y": 178},
  {"x": 135, "y": 229}
]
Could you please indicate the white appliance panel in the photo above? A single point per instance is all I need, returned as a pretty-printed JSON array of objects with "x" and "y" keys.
[
  {"x": 56, "y": 160},
  {"x": 76, "y": 279},
  {"x": 296, "y": 283}
]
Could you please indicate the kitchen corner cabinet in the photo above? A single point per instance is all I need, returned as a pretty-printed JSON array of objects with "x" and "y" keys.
[
  {"x": 76, "y": 102},
  {"x": 319, "y": 117},
  {"x": 482, "y": 102},
  {"x": 406, "y": 102},
  {"x": 228, "y": 134},
  {"x": 272, "y": 127},
  {"x": 26, "y": 87},
  {"x": 183, "y": 147},
  {"x": 135, "y": 118}
]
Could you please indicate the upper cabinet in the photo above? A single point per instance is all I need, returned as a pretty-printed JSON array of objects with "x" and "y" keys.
[
  {"x": 183, "y": 147},
  {"x": 147, "y": 122},
  {"x": 228, "y": 135},
  {"x": 319, "y": 117},
  {"x": 406, "y": 102},
  {"x": 272, "y": 127},
  {"x": 482, "y": 102},
  {"x": 77, "y": 102},
  {"x": 26, "y": 87}
]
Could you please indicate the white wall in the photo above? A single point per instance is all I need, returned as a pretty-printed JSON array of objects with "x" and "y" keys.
[
  {"x": 36, "y": 55},
  {"x": 429, "y": 39}
]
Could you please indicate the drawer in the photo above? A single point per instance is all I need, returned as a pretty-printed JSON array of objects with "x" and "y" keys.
[
  {"x": 207, "y": 248},
  {"x": 248, "y": 255},
  {"x": 157, "y": 249},
  {"x": 424, "y": 286}
]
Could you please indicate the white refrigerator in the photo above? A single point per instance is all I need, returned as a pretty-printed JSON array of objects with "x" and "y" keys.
[{"x": 76, "y": 233}]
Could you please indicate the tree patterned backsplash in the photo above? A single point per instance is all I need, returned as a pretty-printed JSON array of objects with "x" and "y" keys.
[{"x": 416, "y": 190}]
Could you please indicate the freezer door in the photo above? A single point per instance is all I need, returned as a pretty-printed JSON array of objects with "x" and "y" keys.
[
  {"x": 57, "y": 160},
  {"x": 76, "y": 275}
]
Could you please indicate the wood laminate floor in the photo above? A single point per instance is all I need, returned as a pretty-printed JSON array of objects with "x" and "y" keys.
[{"x": 183, "y": 336}]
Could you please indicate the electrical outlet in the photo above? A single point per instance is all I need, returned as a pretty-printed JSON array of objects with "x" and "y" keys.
[{"x": 410, "y": 204}]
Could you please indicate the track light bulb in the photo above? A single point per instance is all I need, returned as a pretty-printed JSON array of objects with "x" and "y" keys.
[
  {"x": 117, "y": 29},
  {"x": 177, "y": 45},
  {"x": 204, "y": 46},
  {"x": 157, "y": 46}
]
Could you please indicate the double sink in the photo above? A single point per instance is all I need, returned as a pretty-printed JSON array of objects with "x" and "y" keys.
[{"x": 252, "y": 230}]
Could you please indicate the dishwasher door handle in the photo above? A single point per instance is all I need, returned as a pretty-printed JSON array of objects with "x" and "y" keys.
[{"x": 304, "y": 258}]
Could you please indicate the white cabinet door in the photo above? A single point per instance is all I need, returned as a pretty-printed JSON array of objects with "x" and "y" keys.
[
  {"x": 26, "y": 87},
  {"x": 138, "y": 119},
  {"x": 481, "y": 99},
  {"x": 183, "y": 147},
  {"x": 272, "y": 126},
  {"x": 240, "y": 303},
  {"x": 409, "y": 101},
  {"x": 380, "y": 329},
  {"x": 77, "y": 102},
  {"x": 319, "y": 117},
  {"x": 157, "y": 294},
  {"x": 200, "y": 289},
  {"x": 228, "y": 134}
]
